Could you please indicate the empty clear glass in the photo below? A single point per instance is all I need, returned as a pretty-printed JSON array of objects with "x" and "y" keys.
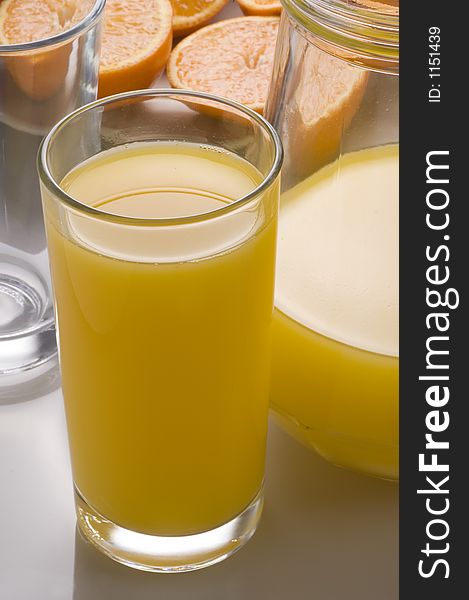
[{"x": 40, "y": 82}]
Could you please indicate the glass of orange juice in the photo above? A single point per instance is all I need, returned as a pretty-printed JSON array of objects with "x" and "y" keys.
[{"x": 161, "y": 218}]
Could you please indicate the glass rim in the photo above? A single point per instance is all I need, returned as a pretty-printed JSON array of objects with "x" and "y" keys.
[
  {"x": 376, "y": 15},
  {"x": 370, "y": 29},
  {"x": 48, "y": 180},
  {"x": 87, "y": 22}
]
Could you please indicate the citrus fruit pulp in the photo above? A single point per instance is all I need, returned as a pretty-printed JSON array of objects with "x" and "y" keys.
[
  {"x": 39, "y": 73},
  {"x": 260, "y": 7},
  {"x": 136, "y": 43},
  {"x": 189, "y": 15},
  {"x": 231, "y": 58}
]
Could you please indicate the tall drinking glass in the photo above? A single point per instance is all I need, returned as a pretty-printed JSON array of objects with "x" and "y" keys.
[
  {"x": 40, "y": 82},
  {"x": 161, "y": 214}
]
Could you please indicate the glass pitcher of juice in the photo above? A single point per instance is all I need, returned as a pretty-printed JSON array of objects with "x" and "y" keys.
[{"x": 334, "y": 99}]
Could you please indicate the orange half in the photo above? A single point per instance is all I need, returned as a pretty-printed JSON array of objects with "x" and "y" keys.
[
  {"x": 189, "y": 15},
  {"x": 232, "y": 58},
  {"x": 136, "y": 43},
  {"x": 260, "y": 7},
  {"x": 24, "y": 21},
  {"x": 328, "y": 94},
  {"x": 39, "y": 73}
]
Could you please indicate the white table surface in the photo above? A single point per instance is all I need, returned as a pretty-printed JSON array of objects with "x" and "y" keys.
[{"x": 326, "y": 534}]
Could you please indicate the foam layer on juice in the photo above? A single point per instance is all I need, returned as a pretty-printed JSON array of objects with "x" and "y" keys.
[
  {"x": 161, "y": 180},
  {"x": 172, "y": 180},
  {"x": 338, "y": 254}
]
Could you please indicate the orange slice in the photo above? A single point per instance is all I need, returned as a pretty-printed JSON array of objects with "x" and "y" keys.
[
  {"x": 260, "y": 7},
  {"x": 189, "y": 15},
  {"x": 23, "y": 21},
  {"x": 382, "y": 6},
  {"x": 327, "y": 96},
  {"x": 40, "y": 73},
  {"x": 231, "y": 58},
  {"x": 136, "y": 43}
]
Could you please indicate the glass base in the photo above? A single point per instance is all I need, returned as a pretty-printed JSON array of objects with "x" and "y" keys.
[
  {"x": 27, "y": 331},
  {"x": 168, "y": 554}
]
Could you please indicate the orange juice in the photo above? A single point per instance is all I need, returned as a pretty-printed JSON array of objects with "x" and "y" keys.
[
  {"x": 165, "y": 361},
  {"x": 335, "y": 369}
]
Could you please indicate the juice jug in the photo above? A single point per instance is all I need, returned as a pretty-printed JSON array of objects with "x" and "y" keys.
[{"x": 334, "y": 99}]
